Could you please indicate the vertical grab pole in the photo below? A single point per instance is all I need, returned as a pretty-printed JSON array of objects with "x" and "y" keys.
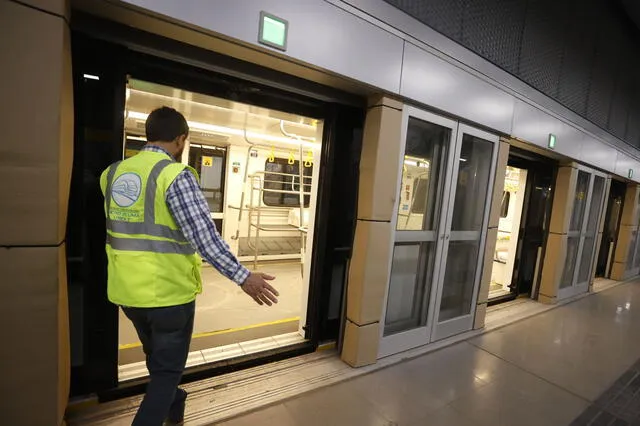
[{"x": 244, "y": 181}]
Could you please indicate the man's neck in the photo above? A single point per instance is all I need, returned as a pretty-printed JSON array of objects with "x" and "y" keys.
[{"x": 160, "y": 146}]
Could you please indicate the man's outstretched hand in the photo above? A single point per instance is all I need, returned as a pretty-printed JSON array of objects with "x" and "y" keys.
[{"x": 259, "y": 289}]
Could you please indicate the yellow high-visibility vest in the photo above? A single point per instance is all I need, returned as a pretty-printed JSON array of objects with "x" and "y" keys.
[{"x": 151, "y": 264}]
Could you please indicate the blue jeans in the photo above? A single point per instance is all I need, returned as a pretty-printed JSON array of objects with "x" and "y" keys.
[{"x": 165, "y": 334}]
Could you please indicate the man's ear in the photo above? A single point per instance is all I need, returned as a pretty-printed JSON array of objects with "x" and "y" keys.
[{"x": 180, "y": 141}]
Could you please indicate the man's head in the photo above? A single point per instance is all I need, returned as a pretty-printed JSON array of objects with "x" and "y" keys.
[{"x": 167, "y": 128}]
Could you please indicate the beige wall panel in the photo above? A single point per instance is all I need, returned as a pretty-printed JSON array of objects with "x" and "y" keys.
[
  {"x": 630, "y": 207},
  {"x": 554, "y": 260},
  {"x": 625, "y": 234},
  {"x": 369, "y": 271},
  {"x": 37, "y": 84},
  {"x": 498, "y": 186},
  {"x": 58, "y": 7},
  {"x": 380, "y": 158},
  {"x": 563, "y": 200},
  {"x": 618, "y": 271},
  {"x": 35, "y": 357},
  {"x": 382, "y": 100},
  {"x": 360, "y": 345},
  {"x": 487, "y": 266},
  {"x": 480, "y": 317}
]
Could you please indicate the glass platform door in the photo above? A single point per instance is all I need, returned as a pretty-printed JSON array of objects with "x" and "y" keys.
[
  {"x": 587, "y": 209},
  {"x": 463, "y": 250},
  {"x": 424, "y": 301}
]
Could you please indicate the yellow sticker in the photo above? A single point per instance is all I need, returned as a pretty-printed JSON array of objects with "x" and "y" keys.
[
  {"x": 308, "y": 162},
  {"x": 207, "y": 161}
]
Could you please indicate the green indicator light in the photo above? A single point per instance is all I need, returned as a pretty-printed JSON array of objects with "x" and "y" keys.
[
  {"x": 273, "y": 31},
  {"x": 552, "y": 140}
]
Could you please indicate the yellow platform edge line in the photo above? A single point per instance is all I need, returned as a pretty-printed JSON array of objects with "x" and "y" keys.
[
  {"x": 225, "y": 331},
  {"x": 326, "y": 346}
]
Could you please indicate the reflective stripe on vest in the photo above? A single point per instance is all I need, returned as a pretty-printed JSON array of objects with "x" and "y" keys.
[
  {"x": 148, "y": 227},
  {"x": 155, "y": 246}
]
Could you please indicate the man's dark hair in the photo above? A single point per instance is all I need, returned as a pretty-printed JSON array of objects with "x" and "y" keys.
[{"x": 165, "y": 124}]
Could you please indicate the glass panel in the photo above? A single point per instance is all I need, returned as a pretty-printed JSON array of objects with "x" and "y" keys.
[
  {"x": 592, "y": 227},
  {"x": 580, "y": 201},
  {"x": 459, "y": 279},
  {"x": 282, "y": 183},
  {"x": 586, "y": 258},
  {"x": 422, "y": 174},
  {"x": 596, "y": 204},
  {"x": 409, "y": 287},
  {"x": 570, "y": 262},
  {"x": 210, "y": 164},
  {"x": 472, "y": 187}
]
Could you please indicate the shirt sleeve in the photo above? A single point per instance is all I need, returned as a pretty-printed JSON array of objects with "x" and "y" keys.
[{"x": 190, "y": 210}]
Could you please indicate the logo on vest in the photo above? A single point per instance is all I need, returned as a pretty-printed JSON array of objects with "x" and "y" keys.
[{"x": 125, "y": 190}]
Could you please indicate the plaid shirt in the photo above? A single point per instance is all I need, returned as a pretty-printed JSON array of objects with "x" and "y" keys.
[{"x": 191, "y": 212}]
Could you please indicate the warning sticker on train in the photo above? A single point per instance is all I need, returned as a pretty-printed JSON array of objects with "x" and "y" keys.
[{"x": 125, "y": 190}]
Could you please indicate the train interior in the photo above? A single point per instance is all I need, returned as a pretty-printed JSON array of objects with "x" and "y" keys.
[
  {"x": 523, "y": 226},
  {"x": 259, "y": 173},
  {"x": 508, "y": 230}
]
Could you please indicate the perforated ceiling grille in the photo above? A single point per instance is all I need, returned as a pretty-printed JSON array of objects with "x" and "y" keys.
[{"x": 583, "y": 53}]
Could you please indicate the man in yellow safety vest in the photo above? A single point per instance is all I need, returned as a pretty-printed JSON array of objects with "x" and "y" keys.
[{"x": 158, "y": 221}]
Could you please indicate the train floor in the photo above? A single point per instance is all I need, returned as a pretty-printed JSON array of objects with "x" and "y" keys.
[
  {"x": 577, "y": 364},
  {"x": 225, "y": 315}
]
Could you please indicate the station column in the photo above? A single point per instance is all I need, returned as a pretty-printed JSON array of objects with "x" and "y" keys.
[
  {"x": 627, "y": 234},
  {"x": 369, "y": 268},
  {"x": 35, "y": 168},
  {"x": 492, "y": 234}
]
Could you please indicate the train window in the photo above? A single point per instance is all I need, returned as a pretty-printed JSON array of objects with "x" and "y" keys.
[
  {"x": 504, "y": 206},
  {"x": 284, "y": 179},
  {"x": 420, "y": 191},
  {"x": 209, "y": 162}
]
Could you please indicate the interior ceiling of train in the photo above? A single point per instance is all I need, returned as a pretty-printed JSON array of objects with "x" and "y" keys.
[{"x": 219, "y": 121}]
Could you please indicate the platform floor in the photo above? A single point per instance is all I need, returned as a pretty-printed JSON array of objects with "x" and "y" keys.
[
  {"x": 224, "y": 306},
  {"x": 573, "y": 365}
]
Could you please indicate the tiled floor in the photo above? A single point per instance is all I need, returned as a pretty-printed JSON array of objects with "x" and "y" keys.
[{"x": 546, "y": 370}]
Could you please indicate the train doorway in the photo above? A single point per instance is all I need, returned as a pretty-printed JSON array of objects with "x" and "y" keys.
[
  {"x": 525, "y": 212},
  {"x": 258, "y": 171},
  {"x": 615, "y": 203},
  {"x": 279, "y": 169}
]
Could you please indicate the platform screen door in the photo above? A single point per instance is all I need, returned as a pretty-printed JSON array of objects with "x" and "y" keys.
[
  {"x": 440, "y": 223},
  {"x": 586, "y": 214}
]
